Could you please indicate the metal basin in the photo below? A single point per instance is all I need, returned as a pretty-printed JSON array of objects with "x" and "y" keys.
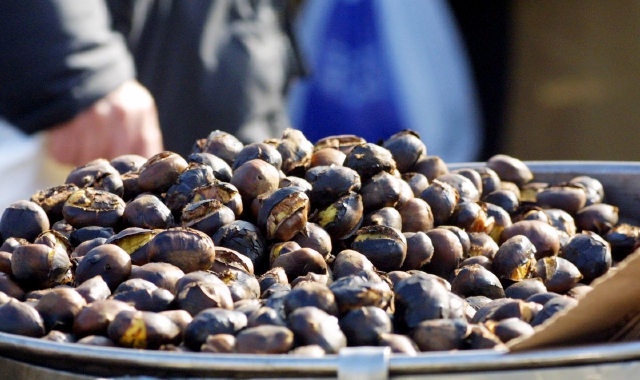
[{"x": 33, "y": 357}]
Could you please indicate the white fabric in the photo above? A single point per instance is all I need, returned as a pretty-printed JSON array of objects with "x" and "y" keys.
[
  {"x": 24, "y": 167},
  {"x": 435, "y": 82}
]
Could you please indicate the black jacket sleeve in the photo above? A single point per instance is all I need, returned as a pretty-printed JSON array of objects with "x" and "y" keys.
[{"x": 57, "y": 57}]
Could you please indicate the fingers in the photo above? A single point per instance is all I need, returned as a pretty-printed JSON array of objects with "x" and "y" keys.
[{"x": 124, "y": 122}]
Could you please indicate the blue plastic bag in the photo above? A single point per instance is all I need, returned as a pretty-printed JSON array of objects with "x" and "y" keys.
[
  {"x": 381, "y": 66},
  {"x": 352, "y": 88}
]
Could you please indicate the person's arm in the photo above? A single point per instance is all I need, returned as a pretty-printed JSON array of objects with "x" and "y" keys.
[{"x": 63, "y": 69}]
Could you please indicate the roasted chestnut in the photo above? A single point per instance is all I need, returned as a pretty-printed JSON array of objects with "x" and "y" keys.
[
  {"x": 225, "y": 192},
  {"x": 431, "y": 167},
  {"x": 23, "y": 220},
  {"x": 184, "y": 247},
  {"x": 264, "y": 340},
  {"x": 147, "y": 211},
  {"x": 559, "y": 275},
  {"x": 284, "y": 213},
  {"x": 311, "y": 325},
  {"x": 180, "y": 192},
  {"x": 332, "y": 183},
  {"x": 258, "y": 151},
  {"x": 590, "y": 253},
  {"x": 161, "y": 171},
  {"x": 246, "y": 239},
  {"x": 543, "y": 236},
  {"x": 221, "y": 144},
  {"x": 98, "y": 174},
  {"x": 515, "y": 259},
  {"x": 363, "y": 326},
  {"x": 567, "y": 197},
  {"x": 207, "y": 216},
  {"x": 91, "y": 207},
  {"x": 343, "y": 217},
  {"x": 384, "y": 246},
  {"x": 37, "y": 266},
  {"x": 143, "y": 329},
  {"x": 210, "y": 322},
  {"x": 475, "y": 280},
  {"x": 406, "y": 149},
  {"x": 442, "y": 198},
  {"x": 109, "y": 261},
  {"x": 369, "y": 159},
  {"x": 510, "y": 169},
  {"x": 220, "y": 169}
]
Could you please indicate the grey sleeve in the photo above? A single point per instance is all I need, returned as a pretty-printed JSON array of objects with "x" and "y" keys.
[{"x": 57, "y": 57}]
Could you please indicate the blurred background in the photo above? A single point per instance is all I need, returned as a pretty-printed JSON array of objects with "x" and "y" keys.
[
  {"x": 554, "y": 80},
  {"x": 571, "y": 78}
]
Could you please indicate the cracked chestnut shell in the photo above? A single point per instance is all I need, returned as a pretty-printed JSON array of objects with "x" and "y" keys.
[
  {"x": 37, "y": 266},
  {"x": 52, "y": 200},
  {"x": 543, "y": 236},
  {"x": 559, "y": 275},
  {"x": 133, "y": 241},
  {"x": 284, "y": 213},
  {"x": 295, "y": 150},
  {"x": 246, "y": 239},
  {"x": 180, "y": 192},
  {"x": 161, "y": 171},
  {"x": 343, "y": 143},
  {"x": 467, "y": 191},
  {"x": 224, "y": 192},
  {"x": 186, "y": 248},
  {"x": 143, "y": 329},
  {"x": 207, "y": 216},
  {"x": 91, "y": 207},
  {"x": 515, "y": 259},
  {"x": 385, "y": 247},
  {"x": 98, "y": 174},
  {"x": 343, "y": 217}
]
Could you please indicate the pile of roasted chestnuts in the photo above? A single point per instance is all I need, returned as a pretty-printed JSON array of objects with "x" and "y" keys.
[{"x": 286, "y": 246}]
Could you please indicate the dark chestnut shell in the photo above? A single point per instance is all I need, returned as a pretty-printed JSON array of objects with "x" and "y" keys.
[
  {"x": 91, "y": 207},
  {"x": 188, "y": 249}
]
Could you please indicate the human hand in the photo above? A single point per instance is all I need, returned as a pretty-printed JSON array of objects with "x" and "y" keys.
[{"x": 123, "y": 122}]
